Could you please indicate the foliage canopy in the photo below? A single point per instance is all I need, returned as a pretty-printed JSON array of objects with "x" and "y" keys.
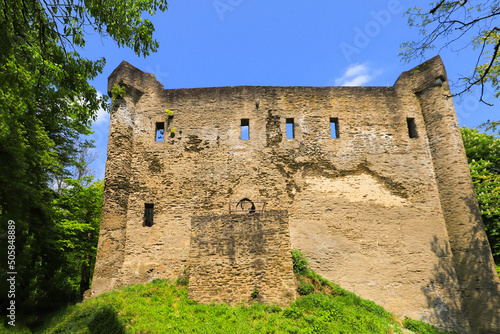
[
  {"x": 77, "y": 217},
  {"x": 46, "y": 105},
  {"x": 483, "y": 155},
  {"x": 458, "y": 25}
]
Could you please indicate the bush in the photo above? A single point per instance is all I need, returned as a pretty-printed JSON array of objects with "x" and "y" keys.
[
  {"x": 305, "y": 288},
  {"x": 183, "y": 281},
  {"x": 300, "y": 263},
  {"x": 313, "y": 301},
  {"x": 292, "y": 312}
]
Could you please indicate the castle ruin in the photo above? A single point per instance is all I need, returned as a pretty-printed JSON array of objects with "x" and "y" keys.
[{"x": 370, "y": 183}]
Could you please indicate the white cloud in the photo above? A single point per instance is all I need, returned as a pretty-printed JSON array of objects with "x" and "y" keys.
[
  {"x": 355, "y": 69},
  {"x": 359, "y": 80},
  {"x": 102, "y": 115},
  {"x": 357, "y": 75}
]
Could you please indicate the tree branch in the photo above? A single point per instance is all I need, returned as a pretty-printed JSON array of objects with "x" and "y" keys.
[{"x": 433, "y": 10}]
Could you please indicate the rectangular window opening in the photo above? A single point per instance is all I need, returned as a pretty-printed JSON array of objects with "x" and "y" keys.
[
  {"x": 160, "y": 131},
  {"x": 412, "y": 127},
  {"x": 334, "y": 128},
  {"x": 290, "y": 131},
  {"x": 148, "y": 214},
  {"x": 245, "y": 129}
]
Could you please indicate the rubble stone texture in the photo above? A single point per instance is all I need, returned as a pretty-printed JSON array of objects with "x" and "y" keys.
[
  {"x": 233, "y": 256},
  {"x": 383, "y": 211}
]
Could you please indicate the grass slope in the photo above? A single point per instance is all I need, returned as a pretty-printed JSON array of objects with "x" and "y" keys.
[{"x": 164, "y": 307}]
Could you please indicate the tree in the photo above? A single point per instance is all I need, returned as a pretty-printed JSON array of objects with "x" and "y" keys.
[
  {"x": 46, "y": 105},
  {"x": 483, "y": 155},
  {"x": 459, "y": 25},
  {"x": 79, "y": 168},
  {"x": 77, "y": 217}
]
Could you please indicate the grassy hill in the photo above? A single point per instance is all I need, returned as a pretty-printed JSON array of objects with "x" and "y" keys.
[{"x": 163, "y": 307}]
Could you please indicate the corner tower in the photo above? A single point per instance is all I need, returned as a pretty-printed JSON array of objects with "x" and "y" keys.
[
  {"x": 112, "y": 235},
  {"x": 472, "y": 256}
]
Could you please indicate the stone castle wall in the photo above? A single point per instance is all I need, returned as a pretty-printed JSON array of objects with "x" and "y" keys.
[
  {"x": 388, "y": 214},
  {"x": 231, "y": 256}
]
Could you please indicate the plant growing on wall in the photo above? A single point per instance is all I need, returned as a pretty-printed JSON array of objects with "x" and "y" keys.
[
  {"x": 117, "y": 93},
  {"x": 300, "y": 263}
]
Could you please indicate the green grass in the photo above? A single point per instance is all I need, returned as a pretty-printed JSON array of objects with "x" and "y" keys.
[
  {"x": 498, "y": 270},
  {"x": 164, "y": 307}
]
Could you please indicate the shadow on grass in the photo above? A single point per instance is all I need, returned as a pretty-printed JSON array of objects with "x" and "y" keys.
[{"x": 106, "y": 321}]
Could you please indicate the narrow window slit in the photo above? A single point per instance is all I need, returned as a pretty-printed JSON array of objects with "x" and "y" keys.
[
  {"x": 160, "y": 131},
  {"x": 412, "y": 127},
  {"x": 148, "y": 214},
  {"x": 290, "y": 131},
  {"x": 334, "y": 127},
  {"x": 245, "y": 129}
]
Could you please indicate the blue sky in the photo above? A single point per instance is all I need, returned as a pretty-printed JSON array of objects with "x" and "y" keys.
[{"x": 208, "y": 43}]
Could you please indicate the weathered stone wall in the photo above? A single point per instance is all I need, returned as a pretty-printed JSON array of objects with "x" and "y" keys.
[
  {"x": 471, "y": 251},
  {"x": 115, "y": 202},
  {"x": 369, "y": 209},
  {"x": 232, "y": 256}
]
